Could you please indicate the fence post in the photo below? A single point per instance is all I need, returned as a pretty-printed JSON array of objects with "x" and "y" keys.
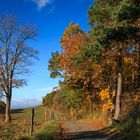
[
  {"x": 32, "y": 122},
  {"x": 45, "y": 115},
  {"x": 52, "y": 115}
]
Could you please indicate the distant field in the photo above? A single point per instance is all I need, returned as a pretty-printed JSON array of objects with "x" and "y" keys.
[{"x": 25, "y": 114}]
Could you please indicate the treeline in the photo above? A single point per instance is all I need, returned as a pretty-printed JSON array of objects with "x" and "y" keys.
[
  {"x": 66, "y": 101},
  {"x": 100, "y": 69}
]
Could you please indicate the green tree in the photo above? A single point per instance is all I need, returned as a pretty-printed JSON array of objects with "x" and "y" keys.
[
  {"x": 54, "y": 66},
  {"x": 73, "y": 99}
]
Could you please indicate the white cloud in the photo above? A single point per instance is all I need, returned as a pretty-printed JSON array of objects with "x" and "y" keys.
[
  {"x": 41, "y": 3},
  {"x": 45, "y": 90}
]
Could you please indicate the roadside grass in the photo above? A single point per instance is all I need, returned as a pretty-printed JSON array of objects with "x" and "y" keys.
[
  {"x": 129, "y": 127},
  {"x": 49, "y": 132},
  {"x": 20, "y": 125},
  {"x": 97, "y": 119},
  {"x": 13, "y": 131}
]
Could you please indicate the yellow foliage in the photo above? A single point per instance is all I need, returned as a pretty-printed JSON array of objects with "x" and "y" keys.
[
  {"x": 105, "y": 107},
  {"x": 128, "y": 60},
  {"x": 105, "y": 96}
]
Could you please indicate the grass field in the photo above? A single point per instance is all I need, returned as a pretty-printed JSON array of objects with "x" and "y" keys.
[
  {"x": 20, "y": 125},
  {"x": 25, "y": 114}
]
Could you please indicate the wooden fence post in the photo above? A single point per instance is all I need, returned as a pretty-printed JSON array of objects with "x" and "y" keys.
[
  {"x": 45, "y": 115},
  {"x": 32, "y": 122},
  {"x": 52, "y": 115}
]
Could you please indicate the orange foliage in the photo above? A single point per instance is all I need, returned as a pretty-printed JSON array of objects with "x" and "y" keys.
[{"x": 72, "y": 40}]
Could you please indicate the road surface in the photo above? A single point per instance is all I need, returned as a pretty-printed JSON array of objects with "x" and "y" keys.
[{"x": 80, "y": 130}]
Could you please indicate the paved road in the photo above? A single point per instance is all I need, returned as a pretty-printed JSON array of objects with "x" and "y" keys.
[{"x": 79, "y": 130}]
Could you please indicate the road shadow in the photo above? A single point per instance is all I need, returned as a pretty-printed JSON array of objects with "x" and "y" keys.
[
  {"x": 102, "y": 134},
  {"x": 17, "y": 111}
]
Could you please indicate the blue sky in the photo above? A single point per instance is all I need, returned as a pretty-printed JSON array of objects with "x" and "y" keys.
[{"x": 51, "y": 17}]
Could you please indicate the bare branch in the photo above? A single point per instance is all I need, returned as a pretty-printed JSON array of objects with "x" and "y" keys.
[{"x": 15, "y": 54}]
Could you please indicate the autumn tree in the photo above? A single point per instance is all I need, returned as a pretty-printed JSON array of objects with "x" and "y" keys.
[
  {"x": 62, "y": 64},
  {"x": 108, "y": 56},
  {"x": 15, "y": 56},
  {"x": 72, "y": 40},
  {"x": 115, "y": 34}
]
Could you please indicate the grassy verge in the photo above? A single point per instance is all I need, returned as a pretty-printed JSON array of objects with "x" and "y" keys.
[
  {"x": 49, "y": 132},
  {"x": 129, "y": 127},
  {"x": 20, "y": 125}
]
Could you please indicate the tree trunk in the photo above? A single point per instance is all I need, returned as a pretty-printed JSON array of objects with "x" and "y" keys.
[
  {"x": 7, "y": 112},
  {"x": 118, "y": 97},
  {"x": 91, "y": 105},
  {"x": 133, "y": 77},
  {"x": 119, "y": 84},
  {"x": 76, "y": 114},
  {"x": 138, "y": 59}
]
